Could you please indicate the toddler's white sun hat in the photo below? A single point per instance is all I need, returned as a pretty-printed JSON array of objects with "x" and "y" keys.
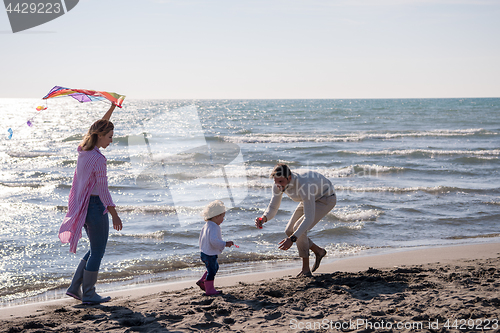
[{"x": 213, "y": 209}]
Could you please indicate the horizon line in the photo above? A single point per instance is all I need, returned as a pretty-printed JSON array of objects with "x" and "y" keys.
[{"x": 285, "y": 98}]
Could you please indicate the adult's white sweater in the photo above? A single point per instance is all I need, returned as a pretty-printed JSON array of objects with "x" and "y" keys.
[{"x": 305, "y": 187}]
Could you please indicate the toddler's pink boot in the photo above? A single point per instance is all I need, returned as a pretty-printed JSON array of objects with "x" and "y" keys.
[
  {"x": 201, "y": 282},
  {"x": 209, "y": 288}
]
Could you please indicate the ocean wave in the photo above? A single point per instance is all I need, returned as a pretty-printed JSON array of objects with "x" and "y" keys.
[
  {"x": 15, "y": 287},
  {"x": 150, "y": 235},
  {"x": 161, "y": 234},
  {"x": 75, "y": 137},
  {"x": 376, "y": 168},
  {"x": 298, "y": 137},
  {"x": 474, "y": 236},
  {"x": 264, "y": 172},
  {"x": 245, "y": 176},
  {"x": 132, "y": 268},
  {"x": 26, "y": 286},
  {"x": 364, "y": 170},
  {"x": 154, "y": 209},
  {"x": 342, "y": 249},
  {"x": 343, "y": 229},
  {"x": 431, "y": 190},
  {"x": 12, "y": 184},
  {"x": 431, "y": 152},
  {"x": 479, "y": 159},
  {"x": 29, "y": 154},
  {"x": 148, "y": 209},
  {"x": 161, "y": 209},
  {"x": 357, "y": 215}
]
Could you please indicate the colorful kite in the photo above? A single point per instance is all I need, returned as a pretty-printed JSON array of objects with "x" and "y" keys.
[
  {"x": 81, "y": 95},
  {"x": 84, "y": 95}
]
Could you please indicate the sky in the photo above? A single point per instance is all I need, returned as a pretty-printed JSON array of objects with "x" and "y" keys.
[{"x": 259, "y": 49}]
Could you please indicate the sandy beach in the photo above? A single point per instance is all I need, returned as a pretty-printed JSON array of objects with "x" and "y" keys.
[{"x": 435, "y": 289}]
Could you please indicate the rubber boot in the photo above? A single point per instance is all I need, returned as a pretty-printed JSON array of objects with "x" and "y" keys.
[
  {"x": 75, "y": 289},
  {"x": 201, "y": 282},
  {"x": 89, "y": 294},
  {"x": 209, "y": 288}
]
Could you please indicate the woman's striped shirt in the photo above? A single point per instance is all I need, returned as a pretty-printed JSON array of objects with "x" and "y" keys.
[{"x": 90, "y": 172}]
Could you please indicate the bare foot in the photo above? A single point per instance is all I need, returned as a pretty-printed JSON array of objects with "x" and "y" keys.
[
  {"x": 318, "y": 260},
  {"x": 304, "y": 274}
]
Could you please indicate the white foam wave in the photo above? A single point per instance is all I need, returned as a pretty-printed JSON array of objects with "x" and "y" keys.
[
  {"x": 299, "y": 137},
  {"x": 374, "y": 168},
  {"x": 337, "y": 173},
  {"x": 29, "y": 154},
  {"x": 341, "y": 249},
  {"x": 487, "y": 158},
  {"x": 358, "y": 215},
  {"x": 151, "y": 235}
]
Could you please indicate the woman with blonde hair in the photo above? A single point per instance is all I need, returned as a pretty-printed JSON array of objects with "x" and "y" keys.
[{"x": 89, "y": 203}]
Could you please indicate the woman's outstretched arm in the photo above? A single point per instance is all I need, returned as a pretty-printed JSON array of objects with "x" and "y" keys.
[{"x": 107, "y": 116}]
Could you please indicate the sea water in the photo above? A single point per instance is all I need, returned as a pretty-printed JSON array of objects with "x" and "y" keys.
[{"x": 407, "y": 173}]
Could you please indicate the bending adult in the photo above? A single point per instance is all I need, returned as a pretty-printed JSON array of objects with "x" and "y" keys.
[
  {"x": 88, "y": 207},
  {"x": 316, "y": 197}
]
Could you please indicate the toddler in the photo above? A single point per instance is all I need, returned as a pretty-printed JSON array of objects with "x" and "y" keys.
[{"x": 211, "y": 244}]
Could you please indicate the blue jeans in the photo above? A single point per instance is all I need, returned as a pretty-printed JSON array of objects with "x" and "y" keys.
[
  {"x": 211, "y": 264},
  {"x": 97, "y": 228}
]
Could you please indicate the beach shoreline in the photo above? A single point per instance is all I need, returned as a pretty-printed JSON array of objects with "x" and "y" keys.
[
  {"x": 426, "y": 265},
  {"x": 227, "y": 272}
]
